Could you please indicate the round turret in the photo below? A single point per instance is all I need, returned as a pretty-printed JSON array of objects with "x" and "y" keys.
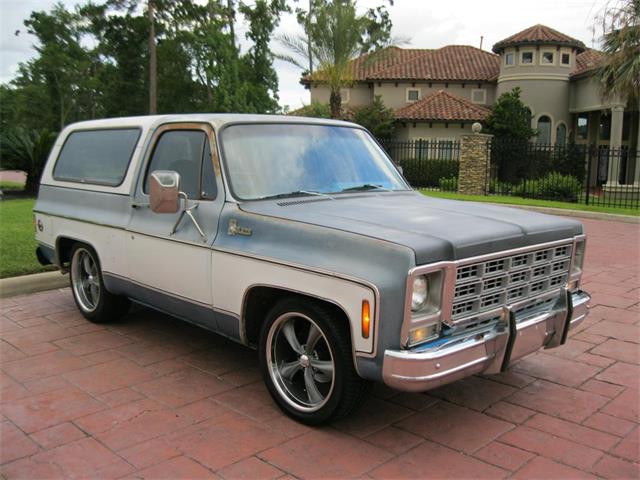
[{"x": 539, "y": 60}]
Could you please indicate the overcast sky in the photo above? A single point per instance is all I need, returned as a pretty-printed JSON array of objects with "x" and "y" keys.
[{"x": 426, "y": 24}]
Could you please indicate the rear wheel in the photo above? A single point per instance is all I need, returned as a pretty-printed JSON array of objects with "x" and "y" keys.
[
  {"x": 93, "y": 300},
  {"x": 307, "y": 364}
]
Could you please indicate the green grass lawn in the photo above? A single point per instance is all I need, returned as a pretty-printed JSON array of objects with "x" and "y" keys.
[
  {"x": 508, "y": 200},
  {"x": 17, "y": 239}
]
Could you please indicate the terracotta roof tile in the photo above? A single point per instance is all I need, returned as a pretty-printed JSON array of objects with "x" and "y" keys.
[
  {"x": 442, "y": 106},
  {"x": 450, "y": 63},
  {"x": 587, "y": 61},
  {"x": 453, "y": 62},
  {"x": 538, "y": 35}
]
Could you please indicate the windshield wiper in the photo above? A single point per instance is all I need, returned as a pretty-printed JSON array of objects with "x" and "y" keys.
[
  {"x": 295, "y": 193},
  {"x": 365, "y": 186}
]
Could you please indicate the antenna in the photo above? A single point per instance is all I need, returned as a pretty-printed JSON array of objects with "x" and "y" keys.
[{"x": 481, "y": 39}]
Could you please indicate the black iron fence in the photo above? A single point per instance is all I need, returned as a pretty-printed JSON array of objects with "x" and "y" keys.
[
  {"x": 427, "y": 164},
  {"x": 592, "y": 175}
]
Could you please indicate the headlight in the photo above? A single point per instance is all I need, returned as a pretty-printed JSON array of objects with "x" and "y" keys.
[{"x": 420, "y": 293}]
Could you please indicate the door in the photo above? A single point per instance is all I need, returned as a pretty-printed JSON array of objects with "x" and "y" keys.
[{"x": 175, "y": 268}]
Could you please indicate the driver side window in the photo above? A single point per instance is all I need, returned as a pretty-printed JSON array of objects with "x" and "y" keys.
[{"x": 186, "y": 152}]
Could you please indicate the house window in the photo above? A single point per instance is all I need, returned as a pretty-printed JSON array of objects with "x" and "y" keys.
[
  {"x": 527, "y": 58},
  {"x": 479, "y": 96},
  {"x": 508, "y": 59},
  {"x": 546, "y": 58},
  {"x": 566, "y": 59},
  {"x": 583, "y": 126},
  {"x": 413, "y": 94},
  {"x": 544, "y": 130},
  {"x": 435, "y": 148},
  {"x": 605, "y": 127},
  {"x": 344, "y": 95},
  {"x": 561, "y": 134}
]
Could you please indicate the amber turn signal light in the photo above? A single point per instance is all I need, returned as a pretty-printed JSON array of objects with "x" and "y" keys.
[{"x": 366, "y": 319}]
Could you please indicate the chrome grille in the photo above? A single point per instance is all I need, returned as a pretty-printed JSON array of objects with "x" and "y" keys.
[{"x": 487, "y": 285}]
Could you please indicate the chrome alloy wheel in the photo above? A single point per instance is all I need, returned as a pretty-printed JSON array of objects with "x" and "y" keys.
[
  {"x": 85, "y": 281},
  {"x": 300, "y": 362}
]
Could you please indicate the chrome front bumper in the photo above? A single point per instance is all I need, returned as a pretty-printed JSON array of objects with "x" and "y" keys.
[{"x": 489, "y": 351}]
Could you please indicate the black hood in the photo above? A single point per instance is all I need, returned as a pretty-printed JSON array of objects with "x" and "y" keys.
[{"x": 434, "y": 229}]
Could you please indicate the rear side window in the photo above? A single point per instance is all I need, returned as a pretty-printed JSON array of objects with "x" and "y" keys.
[{"x": 96, "y": 156}]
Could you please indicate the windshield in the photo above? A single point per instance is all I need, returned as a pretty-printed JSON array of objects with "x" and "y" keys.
[{"x": 278, "y": 160}]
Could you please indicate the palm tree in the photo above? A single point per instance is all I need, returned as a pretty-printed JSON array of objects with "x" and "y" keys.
[
  {"x": 26, "y": 150},
  {"x": 619, "y": 70},
  {"x": 335, "y": 38}
]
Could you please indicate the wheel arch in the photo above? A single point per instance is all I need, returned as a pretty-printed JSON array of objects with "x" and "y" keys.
[
  {"x": 258, "y": 299},
  {"x": 63, "y": 246}
]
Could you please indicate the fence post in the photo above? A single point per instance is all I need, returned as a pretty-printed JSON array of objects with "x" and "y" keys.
[
  {"x": 587, "y": 183},
  {"x": 475, "y": 165}
]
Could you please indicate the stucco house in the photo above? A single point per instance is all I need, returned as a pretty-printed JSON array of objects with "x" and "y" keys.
[{"x": 440, "y": 93}]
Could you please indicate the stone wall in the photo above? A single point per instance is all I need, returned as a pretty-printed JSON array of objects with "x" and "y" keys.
[{"x": 473, "y": 178}]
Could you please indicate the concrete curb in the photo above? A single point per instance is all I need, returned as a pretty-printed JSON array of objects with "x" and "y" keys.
[
  {"x": 612, "y": 217},
  {"x": 37, "y": 282}
]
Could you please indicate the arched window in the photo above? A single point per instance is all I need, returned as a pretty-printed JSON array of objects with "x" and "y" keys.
[
  {"x": 544, "y": 130},
  {"x": 529, "y": 116},
  {"x": 561, "y": 134}
]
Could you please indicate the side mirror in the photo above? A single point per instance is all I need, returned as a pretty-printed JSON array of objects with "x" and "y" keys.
[{"x": 164, "y": 191}]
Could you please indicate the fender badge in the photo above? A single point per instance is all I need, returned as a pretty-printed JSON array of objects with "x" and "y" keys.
[{"x": 235, "y": 229}]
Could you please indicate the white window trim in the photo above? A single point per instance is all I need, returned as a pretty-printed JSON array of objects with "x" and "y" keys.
[
  {"x": 553, "y": 56},
  {"x": 509, "y": 65},
  {"x": 560, "y": 59},
  {"x": 533, "y": 58},
  {"x": 484, "y": 96},
  {"x": 345, "y": 94},
  {"x": 406, "y": 94}
]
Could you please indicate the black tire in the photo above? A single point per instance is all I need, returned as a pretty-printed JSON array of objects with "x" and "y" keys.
[
  {"x": 347, "y": 388},
  {"x": 102, "y": 307}
]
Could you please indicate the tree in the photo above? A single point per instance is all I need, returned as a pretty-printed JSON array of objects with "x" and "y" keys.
[
  {"x": 315, "y": 110},
  {"x": 153, "y": 59},
  {"x": 619, "y": 72},
  {"x": 26, "y": 150},
  {"x": 258, "y": 72},
  {"x": 510, "y": 119},
  {"x": 376, "y": 118},
  {"x": 63, "y": 66},
  {"x": 336, "y": 36},
  {"x": 509, "y": 122},
  {"x": 121, "y": 45}
]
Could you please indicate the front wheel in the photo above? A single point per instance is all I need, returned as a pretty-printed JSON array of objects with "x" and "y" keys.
[
  {"x": 93, "y": 300},
  {"x": 307, "y": 364}
]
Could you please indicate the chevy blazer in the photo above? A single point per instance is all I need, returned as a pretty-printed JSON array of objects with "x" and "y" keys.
[{"x": 299, "y": 237}]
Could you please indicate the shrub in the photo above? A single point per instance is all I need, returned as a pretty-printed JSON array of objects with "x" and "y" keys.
[
  {"x": 553, "y": 186},
  {"x": 377, "y": 118},
  {"x": 427, "y": 173},
  {"x": 315, "y": 109},
  {"x": 449, "y": 184},
  {"x": 501, "y": 188}
]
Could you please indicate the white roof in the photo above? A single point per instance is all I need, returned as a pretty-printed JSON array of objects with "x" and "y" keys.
[{"x": 216, "y": 119}]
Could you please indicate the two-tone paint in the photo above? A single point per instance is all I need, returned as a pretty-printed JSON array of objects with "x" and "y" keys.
[{"x": 342, "y": 249}]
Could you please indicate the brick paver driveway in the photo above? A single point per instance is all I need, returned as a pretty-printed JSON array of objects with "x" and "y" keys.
[{"x": 154, "y": 397}]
